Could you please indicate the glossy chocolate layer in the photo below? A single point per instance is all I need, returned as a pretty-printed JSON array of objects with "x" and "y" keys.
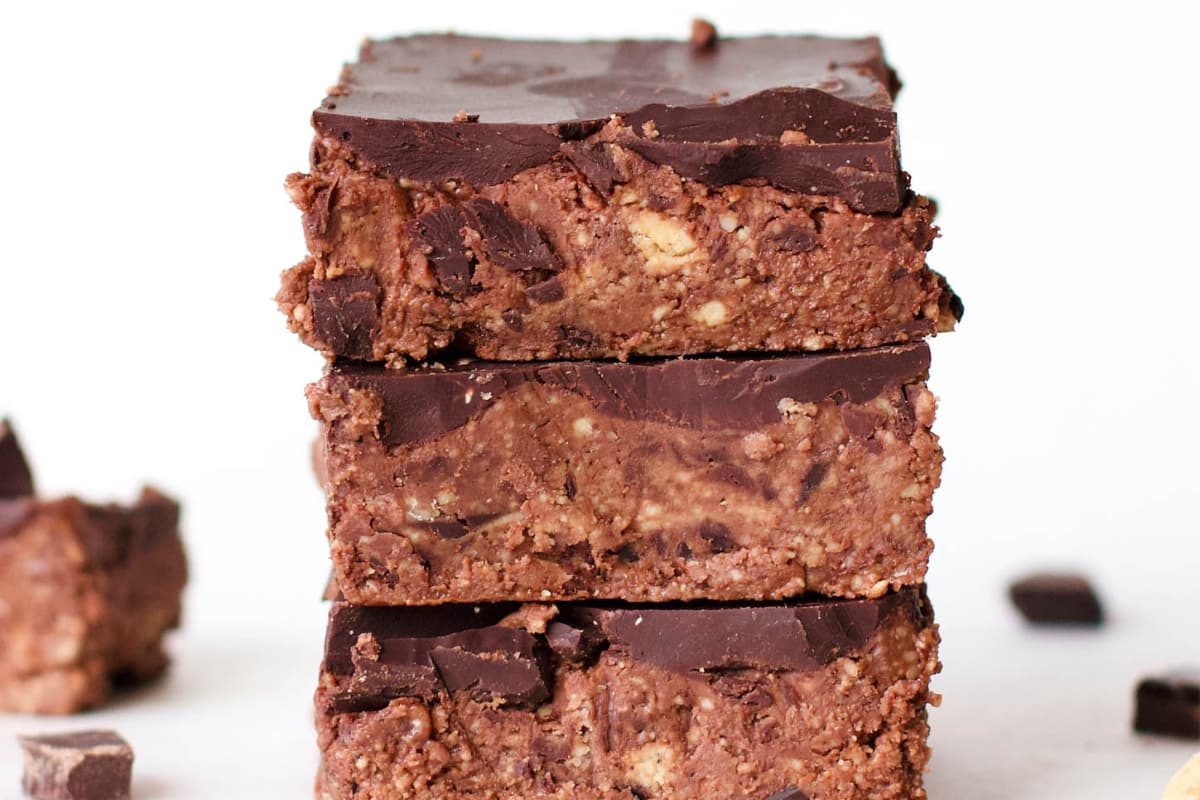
[
  {"x": 807, "y": 114},
  {"x": 701, "y": 393},
  {"x": 391, "y": 652}
]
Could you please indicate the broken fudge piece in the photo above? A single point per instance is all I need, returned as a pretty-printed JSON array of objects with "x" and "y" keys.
[
  {"x": 1169, "y": 704},
  {"x": 1052, "y": 598},
  {"x": 818, "y": 699},
  {"x": 88, "y": 765},
  {"x": 719, "y": 478},
  {"x": 525, "y": 200},
  {"x": 86, "y": 592}
]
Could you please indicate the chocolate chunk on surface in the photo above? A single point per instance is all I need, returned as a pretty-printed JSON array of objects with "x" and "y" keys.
[
  {"x": 1169, "y": 704},
  {"x": 16, "y": 480},
  {"x": 717, "y": 478},
  {"x": 654, "y": 730},
  {"x": 88, "y": 765},
  {"x": 1049, "y": 598}
]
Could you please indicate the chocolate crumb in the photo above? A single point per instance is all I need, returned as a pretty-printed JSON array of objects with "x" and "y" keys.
[{"x": 1048, "y": 598}]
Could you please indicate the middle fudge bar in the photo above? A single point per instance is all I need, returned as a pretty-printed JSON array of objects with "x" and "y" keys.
[
  {"x": 805, "y": 700},
  {"x": 718, "y": 478},
  {"x": 550, "y": 200}
]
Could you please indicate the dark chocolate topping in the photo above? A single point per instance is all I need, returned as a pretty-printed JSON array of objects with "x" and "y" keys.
[
  {"x": 702, "y": 393},
  {"x": 784, "y": 636},
  {"x": 345, "y": 313},
  {"x": 382, "y": 652},
  {"x": 15, "y": 478},
  {"x": 396, "y": 109},
  {"x": 420, "y": 651}
]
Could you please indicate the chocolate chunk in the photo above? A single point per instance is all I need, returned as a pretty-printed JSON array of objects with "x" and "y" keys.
[
  {"x": 1169, "y": 705},
  {"x": 547, "y": 291},
  {"x": 799, "y": 635},
  {"x": 1056, "y": 599},
  {"x": 439, "y": 233},
  {"x": 793, "y": 238},
  {"x": 720, "y": 110},
  {"x": 89, "y": 765},
  {"x": 345, "y": 313},
  {"x": 512, "y": 245},
  {"x": 16, "y": 480},
  {"x": 719, "y": 537},
  {"x": 420, "y": 650},
  {"x": 707, "y": 394},
  {"x": 596, "y": 163},
  {"x": 572, "y": 644},
  {"x": 791, "y": 793}
]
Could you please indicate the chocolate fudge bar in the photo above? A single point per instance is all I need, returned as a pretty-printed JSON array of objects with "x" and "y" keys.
[
  {"x": 86, "y": 592},
  {"x": 88, "y": 765},
  {"x": 820, "y": 699},
  {"x": 719, "y": 478},
  {"x": 525, "y": 200}
]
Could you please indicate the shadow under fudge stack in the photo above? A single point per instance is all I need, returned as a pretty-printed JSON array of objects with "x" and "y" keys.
[{"x": 626, "y": 439}]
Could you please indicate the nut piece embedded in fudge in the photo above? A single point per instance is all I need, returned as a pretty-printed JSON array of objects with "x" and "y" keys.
[
  {"x": 87, "y": 592},
  {"x": 715, "y": 478},
  {"x": 609, "y": 199},
  {"x": 805, "y": 700},
  {"x": 88, "y": 765}
]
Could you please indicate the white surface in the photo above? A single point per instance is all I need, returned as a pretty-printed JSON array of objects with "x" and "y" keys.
[{"x": 145, "y": 225}]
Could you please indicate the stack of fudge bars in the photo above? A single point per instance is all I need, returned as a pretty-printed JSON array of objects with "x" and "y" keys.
[{"x": 626, "y": 440}]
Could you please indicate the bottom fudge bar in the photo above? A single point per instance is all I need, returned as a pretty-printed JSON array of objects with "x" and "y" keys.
[
  {"x": 86, "y": 593},
  {"x": 819, "y": 699}
]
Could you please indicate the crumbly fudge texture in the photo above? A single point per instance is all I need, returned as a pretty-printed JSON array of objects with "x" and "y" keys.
[
  {"x": 632, "y": 218},
  {"x": 86, "y": 595},
  {"x": 752, "y": 478},
  {"x": 824, "y": 700}
]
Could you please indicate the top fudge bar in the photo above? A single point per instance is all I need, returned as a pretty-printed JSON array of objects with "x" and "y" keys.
[{"x": 521, "y": 200}]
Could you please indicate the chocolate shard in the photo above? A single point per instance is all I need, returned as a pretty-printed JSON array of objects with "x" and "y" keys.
[
  {"x": 1049, "y": 598},
  {"x": 88, "y": 765},
  {"x": 596, "y": 163},
  {"x": 1169, "y": 705},
  {"x": 787, "y": 636},
  {"x": 345, "y": 313},
  {"x": 16, "y": 479},
  {"x": 804, "y": 113},
  {"x": 439, "y": 233},
  {"x": 741, "y": 393},
  {"x": 512, "y": 245},
  {"x": 420, "y": 651}
]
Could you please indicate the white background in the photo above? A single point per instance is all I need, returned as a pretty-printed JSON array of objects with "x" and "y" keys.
[{"x": 144, "y": 226}]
